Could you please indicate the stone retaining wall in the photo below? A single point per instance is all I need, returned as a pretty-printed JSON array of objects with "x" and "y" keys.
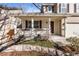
[
  {"x": 50, "y": 51},
  {"x": 28, "y": 48}
]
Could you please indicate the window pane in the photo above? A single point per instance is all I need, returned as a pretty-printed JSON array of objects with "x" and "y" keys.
[
  {"x": 63, "y": 5},
  {"x": 77, "y": 8},
  {"x": 37, "y": 24},
  {"x": 28, "y": 24},
  {"x": 63, "y": 8},
  {"x": 50, "y": 8}
]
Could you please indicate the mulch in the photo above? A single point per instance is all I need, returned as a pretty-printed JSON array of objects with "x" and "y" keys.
[{"x": 23, "y": 53}]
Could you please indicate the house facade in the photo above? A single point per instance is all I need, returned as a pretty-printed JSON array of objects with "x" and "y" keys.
[
  {"x": 61, "y": 19},
  {"x": 54, "y": 19}
]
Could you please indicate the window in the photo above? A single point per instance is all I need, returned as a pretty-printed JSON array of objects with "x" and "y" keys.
[
  {"x": 63, "y": 8},
  {"x": 68, "y": 7},
  {"x": 77, "y": 8},
  {"x": 28, "y": 24},
  {"x": 49, "y": 8},
  {"x": 37, "y": 24}
]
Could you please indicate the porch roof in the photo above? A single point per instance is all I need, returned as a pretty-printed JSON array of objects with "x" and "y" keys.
[
  {"x": 57, "y": 16},
  {"x": 47, "y": 15},
  {"x": 41, "y": 14}
]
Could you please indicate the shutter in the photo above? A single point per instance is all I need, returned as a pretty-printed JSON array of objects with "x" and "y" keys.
[
  {"x": 74, "y": 8},
  {"x": 40, "y": 24},
  {"x": 68, "y": 8},
  {"x": 26, "y": 24},
  {"x": 42, "y": 9}
]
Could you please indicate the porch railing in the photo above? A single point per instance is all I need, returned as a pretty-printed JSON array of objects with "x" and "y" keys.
[{"x": 29, "y": 32}]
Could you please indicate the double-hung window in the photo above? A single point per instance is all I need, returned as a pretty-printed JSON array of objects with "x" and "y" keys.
[
  {"x": 49, "y": 8},
  {"x": 28, "y": 24},
  {"x": 37, "y": 24},
  {"x": 63, "y": 8},
  {"x": 77, "y": 7}
]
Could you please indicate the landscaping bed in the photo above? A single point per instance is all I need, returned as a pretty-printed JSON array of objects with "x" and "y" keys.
[
  {"x": 43, "y": 48},
  {"x": 44, "y": 43},
  {"x": 23, "y": 53},
  {"x": 74, "y": 43}
]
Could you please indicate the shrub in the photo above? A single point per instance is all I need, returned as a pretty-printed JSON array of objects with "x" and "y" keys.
[
  {"x": 41, "y": 38},
  {"x": 74, "y": 42},
  {"x": 38, "y": 37}
]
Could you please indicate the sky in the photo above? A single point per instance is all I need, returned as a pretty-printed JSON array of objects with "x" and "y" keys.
[{"x": 27, "y": 7}]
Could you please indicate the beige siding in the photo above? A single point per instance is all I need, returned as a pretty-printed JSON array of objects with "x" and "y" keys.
[
  {"x": 72, "y": 19},
  {"x": 72, "y": 27},
  {"x": 56, "y": 25},
  {"x": 71, "y": 8},
  {"x": 45, "y": 24}
]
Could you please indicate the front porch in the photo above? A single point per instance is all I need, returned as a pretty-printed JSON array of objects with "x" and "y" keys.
[{"x": 46, "y": 26}]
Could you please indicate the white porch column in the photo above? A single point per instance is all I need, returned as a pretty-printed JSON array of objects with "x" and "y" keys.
[
  {"x": 32, "y": 21},
  {"x": 63, "y": 27},
  {"x": 49, "y": 26},
  {"x": 23, "y": 25}
]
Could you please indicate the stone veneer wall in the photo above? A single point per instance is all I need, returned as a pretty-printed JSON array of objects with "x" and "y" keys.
[{"x": 50, "y": 51}]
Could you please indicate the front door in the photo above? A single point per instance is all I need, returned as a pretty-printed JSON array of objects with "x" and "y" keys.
[{"x": 52, "y": 27}]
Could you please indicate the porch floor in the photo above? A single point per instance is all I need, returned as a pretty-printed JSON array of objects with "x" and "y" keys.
[{"x": 57, "y": 38}]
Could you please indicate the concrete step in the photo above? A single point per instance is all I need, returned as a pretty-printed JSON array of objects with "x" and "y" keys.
[{"x": 59, "y": 39}]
